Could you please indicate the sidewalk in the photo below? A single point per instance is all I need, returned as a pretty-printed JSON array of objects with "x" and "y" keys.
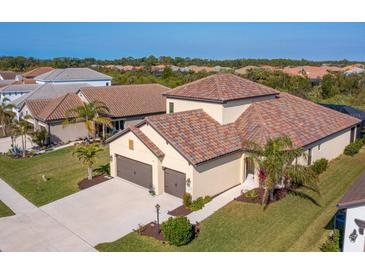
[{"x": 217, "y": 203}]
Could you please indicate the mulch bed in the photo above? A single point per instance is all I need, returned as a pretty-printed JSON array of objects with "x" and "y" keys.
[
  {"x": 278, "y": 195},
  {"x": 180, "y": 211},
  {"x": 151, "y": 230},
  {"x": 85, "y": 183}
]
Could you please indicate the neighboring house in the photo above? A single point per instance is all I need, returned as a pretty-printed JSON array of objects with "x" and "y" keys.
[
  {"x": 9, "y": 75},
  {"x": 128, "y": 104},
  {"x": 198, "y": 147},
  {"x": 13, "y": 92},
  {"x": 350, "y": 111},
  {"x": 47, "y": 91},
  {"x": 353, "y": 202},
  {"x": 313, "y": 73},
  {"x": 50, "y": 115},
  {"x": 36, "y": 72},
  {"x": 353, "y": 71},
  {"x": 74, "y": 76}
]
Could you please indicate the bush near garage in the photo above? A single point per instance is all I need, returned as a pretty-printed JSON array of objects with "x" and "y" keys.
[
  {"x": 354, "y": 147},
  {"x": 320, "y": 166},
  {"x": 177, "y": 231}
]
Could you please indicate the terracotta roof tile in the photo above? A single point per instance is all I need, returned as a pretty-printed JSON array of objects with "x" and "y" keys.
[
  {"x": 196, "y": 135},
  {"x": 129, "y": 100},
  {"x": 221, "y": 87},
  {"x": 36, "y": 72},
  {"x": 8, "y": 75},
  {"x": 355, "y": 196},
  {"x": 147, "y": 141}
]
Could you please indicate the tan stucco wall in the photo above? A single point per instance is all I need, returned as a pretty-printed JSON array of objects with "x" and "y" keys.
[
  {"x": 330, "y": 147},
  {"x": 71, "y": 132},
  {"x": 139, "y": 153},
  {"x": 222, "y": 113},
  {"x": 217, "y": 175}
]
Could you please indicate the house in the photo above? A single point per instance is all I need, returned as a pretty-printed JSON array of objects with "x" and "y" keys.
[
  {"x": 350, "y": 111},
  {"x": 313, "y": 73},
  {"x": 74, "y": 76},
  {"x": 127, "y": 104},
  {"x": 198, "y": 146},
  {"x": 47, "y": 91},
  {"x": 9, "y": 75},
  {"x": 36, "y": 72},
  {"x": 353, "y": 71},
  {"x": 353, "y": 203},
  {"x": 50, "y": 114},
  {"x": 13, "y": 91}
]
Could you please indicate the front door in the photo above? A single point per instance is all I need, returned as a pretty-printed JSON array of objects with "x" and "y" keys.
[{"x": 249, "y": 167}]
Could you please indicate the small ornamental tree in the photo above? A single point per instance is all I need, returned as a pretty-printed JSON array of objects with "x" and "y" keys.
[
  {"x": 178, "y": 231},
  {"x": 86, "y": 153}
]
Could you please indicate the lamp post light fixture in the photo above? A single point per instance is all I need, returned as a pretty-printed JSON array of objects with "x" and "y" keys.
[{"x": 157, "y": 206}]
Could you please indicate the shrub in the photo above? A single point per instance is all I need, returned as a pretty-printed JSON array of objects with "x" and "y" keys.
[
  {"x": 353, "y": 148},
  {"x": 320, "y": 166},
  {"x": 251, "y": 194},
  {"x": 199, "y": 203},
  {"x": 178, "y": 231},
  {"x": 333, "y": 243},
  {"x": 187, "y": 199}
]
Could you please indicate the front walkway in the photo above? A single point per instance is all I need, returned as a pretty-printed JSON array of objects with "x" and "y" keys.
[{"x": 5, "y": 143}]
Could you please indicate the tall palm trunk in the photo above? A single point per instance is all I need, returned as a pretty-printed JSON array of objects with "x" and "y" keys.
[
  {"x": 89, "y": 173},
  {"x": 23, "y": 147}
]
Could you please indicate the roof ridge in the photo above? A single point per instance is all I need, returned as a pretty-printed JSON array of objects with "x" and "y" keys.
[{"x": 57, "y": 105}]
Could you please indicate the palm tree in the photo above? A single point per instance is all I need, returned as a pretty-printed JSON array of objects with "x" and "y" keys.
[
  {"x": 22, "y": 128},
  {"x": 6, "y": 114},
  {"x": 278, "y": 166},
  {"x": 86, "y": 153},
  {"x": 90, "y": 114}
]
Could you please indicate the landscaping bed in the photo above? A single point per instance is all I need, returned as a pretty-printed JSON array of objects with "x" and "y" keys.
[
  {"x": 246, "y": 198},
  {"x": 180, "y": 211},
  {"x": 85, "y": 183}
]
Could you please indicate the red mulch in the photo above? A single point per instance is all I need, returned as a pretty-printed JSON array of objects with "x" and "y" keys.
[
  {"x": 152, "y": 230},
  {"x": 278, "y": 195},
  {"x": 180, "y": 211},
  {"x": 85, "y": 183}
]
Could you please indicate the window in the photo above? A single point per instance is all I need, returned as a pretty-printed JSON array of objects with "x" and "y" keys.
[
  {"x": 319, "y": 147},
  {"x": 309, "y": 157},
  {"x": 352, "y": 136},
  {"x": 171, "y": 107},
  {"x": 107, "y": 83},
  {"x": 131, "y": 144}
]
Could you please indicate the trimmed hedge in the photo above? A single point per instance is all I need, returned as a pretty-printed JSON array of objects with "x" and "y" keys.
[
  {"x": 199, "y": 203},
  {"x": 187, "y": 200},
  {"x": 178, "y": 231},
  {"x": 319, "y": 166},
  {"x": 353, "y": 148}
]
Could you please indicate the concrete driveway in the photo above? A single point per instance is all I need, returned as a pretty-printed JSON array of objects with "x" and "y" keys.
[
  {"x": 102, "y": 213},
  {"x": 108, "y": 211},
  {"x": 5, "y": 143}
]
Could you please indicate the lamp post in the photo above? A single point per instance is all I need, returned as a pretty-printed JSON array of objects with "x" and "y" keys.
[{"x": 157, "y": 206}]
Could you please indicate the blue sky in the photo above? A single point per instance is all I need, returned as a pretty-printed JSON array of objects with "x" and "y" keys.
[{"x": 314, "y": 41}]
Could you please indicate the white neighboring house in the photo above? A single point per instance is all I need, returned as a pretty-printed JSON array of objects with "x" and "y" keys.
[
  {"x": 74, "y": 76},
  {"x": 13, "y": 92},
  {"x": 354, "y": 204}
]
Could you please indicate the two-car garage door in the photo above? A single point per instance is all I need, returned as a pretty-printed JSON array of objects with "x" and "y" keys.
[
  {"x": 134, "y": 171},
  {"x": 141, "y": 174}
]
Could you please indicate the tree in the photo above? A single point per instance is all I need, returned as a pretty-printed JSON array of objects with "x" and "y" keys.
[
  {"x": 39, "y": 137},
  {"x": 277, "y": 166},
  {"x": 86, "y": 153},
  {"x": 90, "y": 114},
  {"x": 329, "y": 86},
  {"x": 6, "y": 114},
  {"x": 22, "y": 128}
]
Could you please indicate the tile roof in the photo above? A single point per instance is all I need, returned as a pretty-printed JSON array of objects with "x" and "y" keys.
[
  {"x": 36, "y": 72},
  {"x": 54, "y": 109},
  {"x": 129, "y": 100},
  {"x": 20, "y": 87},
  {"x": 196, "y": 135},
  {"x": 147, "y": 141},
  {"x": 72, "y": 74},
  {"x": 220, "y": 88},
  {"x": 303, "y": 121},
  {"x": 355, "y": 196},
  {"x": 48, "y": 91},
  {"x": 8, "y": 75},
  {"x": 312, "y": 72}
]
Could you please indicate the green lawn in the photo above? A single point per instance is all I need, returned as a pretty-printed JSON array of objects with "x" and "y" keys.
[
  {"x": 4, "y": 210},
  {"x": 293, "y": 224},
  {"x": 61, "y": 167}
]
